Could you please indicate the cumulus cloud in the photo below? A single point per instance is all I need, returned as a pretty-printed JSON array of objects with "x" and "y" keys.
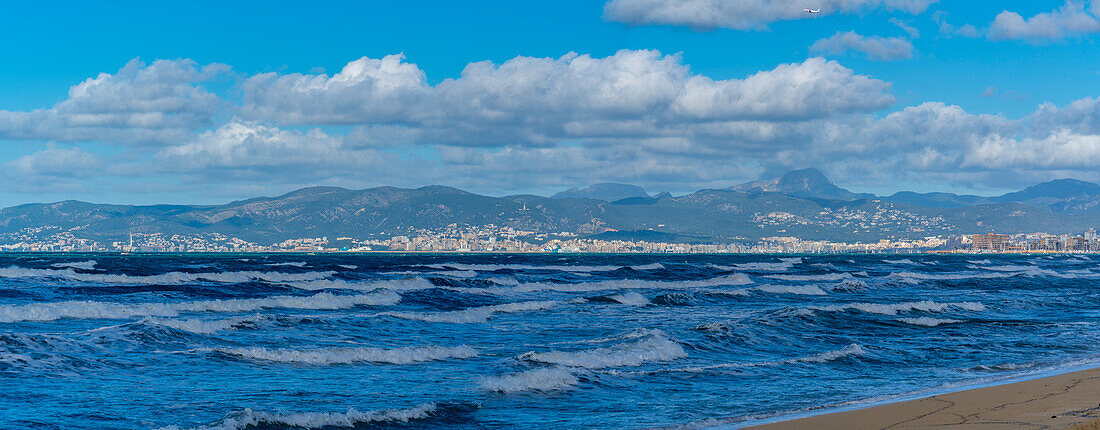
[
  {"x": 535, "y": 124},
  {"x": 1068, "y": 21},
  {"x": 54, "y": 161},
  {"x": 250, "y": 151},
  {"x": 874, "y": 47},
  {"x": 366, "y": 90},
  {"x": 159, "y": 102},
  {"x": 951, "y": 30},
  {"x": 536, "y": 101},
  {"x": 741, "y": 15}
]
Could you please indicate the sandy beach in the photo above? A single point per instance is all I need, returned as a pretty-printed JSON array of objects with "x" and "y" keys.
[{"x": 1066, "y": 401}]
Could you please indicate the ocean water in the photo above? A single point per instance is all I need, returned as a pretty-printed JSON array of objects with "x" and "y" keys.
[{"x": 515, "y": 341}]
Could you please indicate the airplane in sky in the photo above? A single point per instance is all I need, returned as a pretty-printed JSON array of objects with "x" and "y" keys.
[{"x": 818, "y": 10}]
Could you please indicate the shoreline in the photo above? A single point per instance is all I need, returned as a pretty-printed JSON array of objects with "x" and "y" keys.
[{"x": 1045, "y": 400}]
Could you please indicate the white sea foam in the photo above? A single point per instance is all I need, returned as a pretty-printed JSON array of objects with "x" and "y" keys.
[
  {"x": 204, "y": 326},
  {"x": 651, "y": 266},
  {"x": 326, "y": 356},
  {"x": 406, "y": 284},
  {"x": 810, "y": 290},
  {"x": 630, "y": 298},
  {"x": 288, "y": 264},
  {"x": 113, "y": 310},
  {"x": 348, "y": 266},
  {"x": 827, "y": 356},
  {"x": 823, "y": 357},
  {"x": 248, "y": 418},
  {"x": 504, "y": 280},
  {"x": 895, "y": 308},
  {"x": 455, "y": 273},
  {"x": 979, "y": 261},
  {"x": 928, "y": 321},
  {"x": 655, "y": 347},
  {"x": 783, "y": 265},
  {"x": 914, "y": 277},
  {"x": 170, "y": 278},
  {"x": 901, "y": 261},
  {"x": 86, "y": 265},
  {"x": 542, "y": 379},
  {"x": 473, "y": 315},
  {"x": 495, "y": 267},
  {"x": 809, "y": 278},
  {"x": 1010, "y": 268},
  {"x": 629, "y": 284}
]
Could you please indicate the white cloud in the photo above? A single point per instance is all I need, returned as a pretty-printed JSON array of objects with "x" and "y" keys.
[
  {"x": 904, "y": 26},
  {"x": 874, "y": 47},
  {"x": 155, "y": 103},
  {"x": 54, "y": 161},
  {"x": 742, "y": 14},
  {"x": 950, "y": 30},
  {"x": 1062, "y": 149},
  {"x": 537, "y": 101},
  {"x": 247, "y": 148},
  {"x": 366, "y": 90},
  {"x": 538, "y": 123},
  {"x": 1068, "y": 21}
]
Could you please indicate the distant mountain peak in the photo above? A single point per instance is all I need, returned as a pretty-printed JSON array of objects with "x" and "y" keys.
[
  {"x": 607, "y": 191},
  {"x": 1058, "y": 188},
  {"x": 805, "y": 183}
]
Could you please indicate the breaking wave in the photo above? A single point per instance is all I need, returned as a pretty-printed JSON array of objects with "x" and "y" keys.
[
  {"x": 928, "y": 321},
  {"x": 248, "y": 418},
  {"x": 86, "y": 265},
  {"x": 201, "y": 326},
  {"x": 630, "y": 298},
  {"x": 170, "y": 278},
  {"x": 895, "y": 308},
  {"x": 809, "y": 290},
  {"x": 542, "y": 379},
  {"x": 287, "y": 264},
  {"x": 404, "y": 355},
  {"x": 654, "y": 347},
  {"x": 783, "y": 265},
  {"x": 913, "y": 276},
  {"x": 823, "y": 357},
  {"x": 809, "y": 278},
  {"x": 473, "y": 315},
  {"x": 406, "y": 284},
  {"x": 495, "y": 267},
  {"x": 112, "y": 310},
  {"x": 628, "y": 284}
]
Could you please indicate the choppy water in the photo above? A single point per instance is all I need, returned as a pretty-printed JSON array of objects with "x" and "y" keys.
[{"x": 479, "y": 341}]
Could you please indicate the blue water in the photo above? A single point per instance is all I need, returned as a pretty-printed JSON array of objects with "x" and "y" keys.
[{"x": 507, "y": 341}]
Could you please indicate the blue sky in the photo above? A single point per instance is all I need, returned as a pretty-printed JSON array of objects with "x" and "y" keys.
[{"x": 882, "y": 95}]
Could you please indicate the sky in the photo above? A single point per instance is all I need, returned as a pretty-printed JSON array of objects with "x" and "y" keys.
[{"x": 207, "y": 102}]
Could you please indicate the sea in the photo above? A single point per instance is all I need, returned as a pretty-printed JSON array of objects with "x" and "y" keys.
[{"x": 551, "y": 341}]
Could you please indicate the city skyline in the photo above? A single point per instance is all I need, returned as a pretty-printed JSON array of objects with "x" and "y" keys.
[{"x": 544, "y": 97}]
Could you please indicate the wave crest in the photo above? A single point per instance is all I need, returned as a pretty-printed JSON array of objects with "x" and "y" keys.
[
  {"x": 895, "y": 308},
  {"x": 112, "y": 310},
  {"x": 654, "y": 347},
  {"x": 325, "y": 356},
  {"x": 479, "y": 314},
  {"x": 543, "y": 379}
]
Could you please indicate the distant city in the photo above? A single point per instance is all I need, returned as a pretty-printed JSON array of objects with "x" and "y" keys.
[
  {"x": 798, "y": 212},
  {"x": 490, "y": 239}
]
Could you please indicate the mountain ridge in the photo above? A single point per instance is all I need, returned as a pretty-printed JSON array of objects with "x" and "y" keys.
[{"x": 803, "y": 204}]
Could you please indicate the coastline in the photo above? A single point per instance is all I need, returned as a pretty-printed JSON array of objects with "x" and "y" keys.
[{"x": 1060, "y": 401}]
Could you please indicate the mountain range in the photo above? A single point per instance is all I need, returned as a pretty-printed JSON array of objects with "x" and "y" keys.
[{"x": 801, "y": 203}]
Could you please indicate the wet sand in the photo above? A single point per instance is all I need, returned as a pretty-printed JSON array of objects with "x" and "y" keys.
[{"x": 1067, "y": 401}]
